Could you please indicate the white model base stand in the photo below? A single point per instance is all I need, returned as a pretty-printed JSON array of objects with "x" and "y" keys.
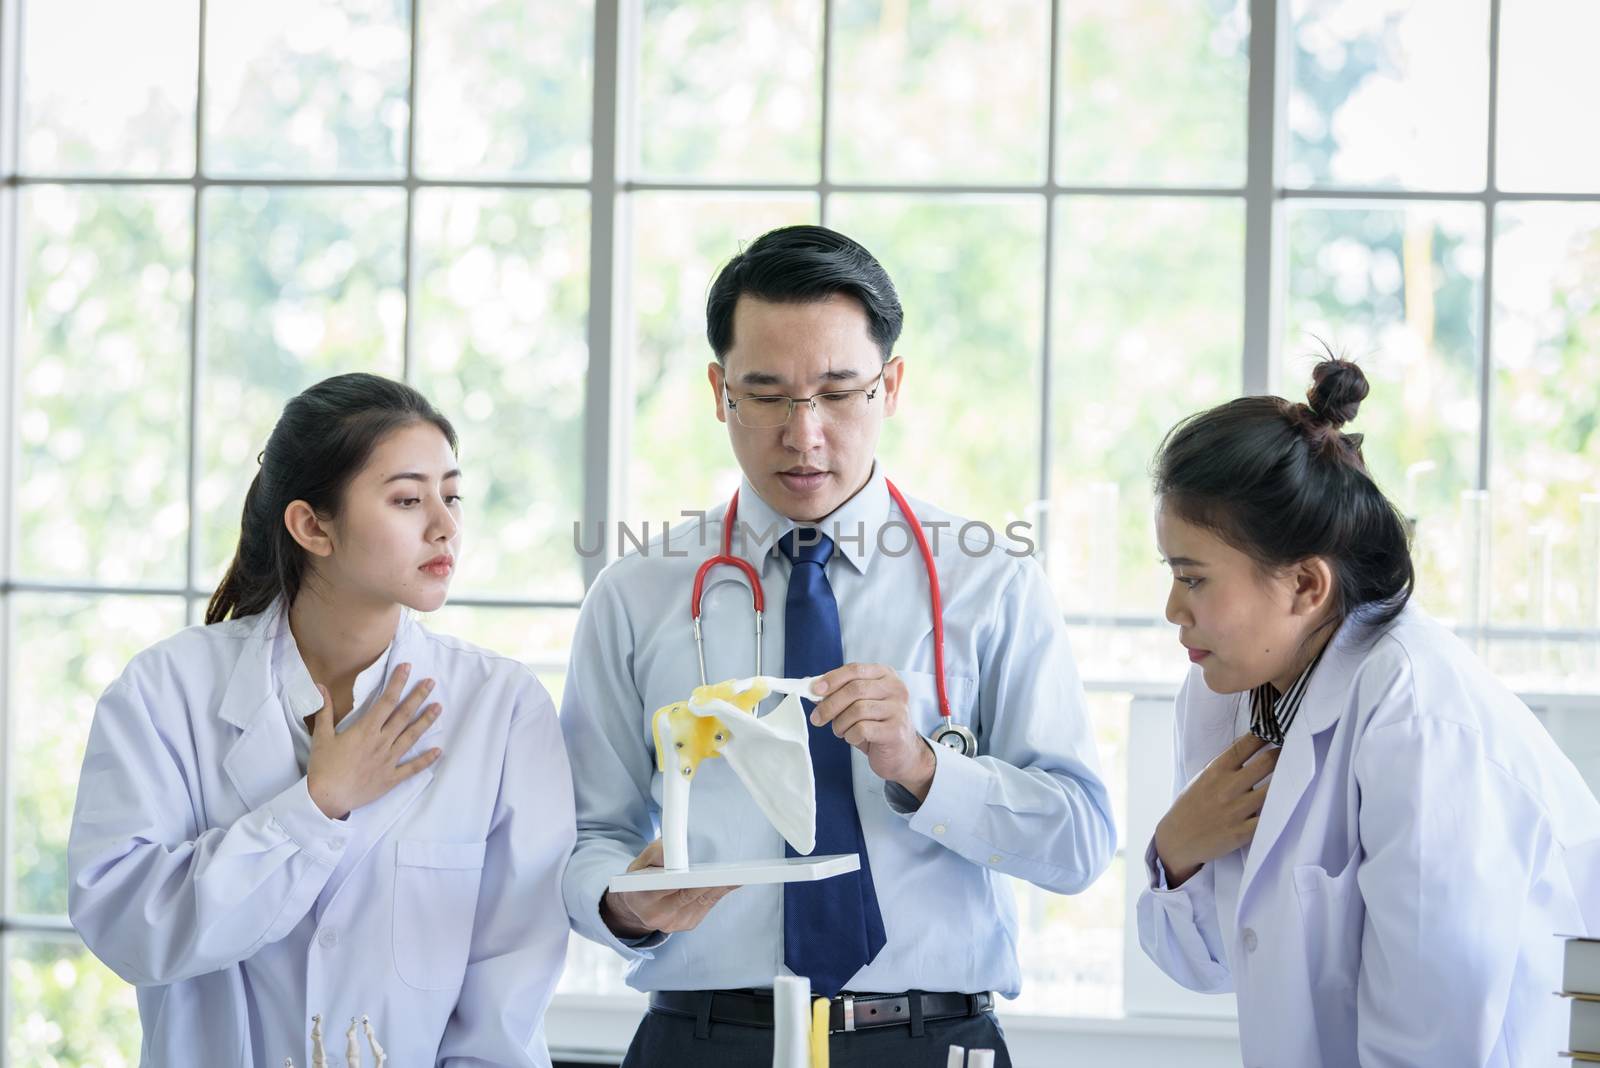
[{"x": 738, "y": 873}]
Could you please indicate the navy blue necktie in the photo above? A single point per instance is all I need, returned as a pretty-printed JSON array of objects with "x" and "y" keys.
[{"x": 831, "y": 928}]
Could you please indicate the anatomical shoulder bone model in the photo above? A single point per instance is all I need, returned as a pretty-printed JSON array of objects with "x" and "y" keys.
[{"x": 770, "y": 754}]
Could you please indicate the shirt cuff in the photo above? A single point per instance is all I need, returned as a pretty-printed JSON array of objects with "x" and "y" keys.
[
  {"x": 959, "y": 790},
  {"x": 1154, "y": 868},
  {"x": 637, "y": 945},
  {"x": 649, "y": 941},
  {"x": 300, "y": 820},
  {"x": 1157, "y": 877},
  {"x": 630, "y": 949}
]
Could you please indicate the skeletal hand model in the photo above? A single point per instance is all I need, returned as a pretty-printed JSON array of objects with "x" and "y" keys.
[
  {"x": 771, "y": 754},
  {"x": 352, "y": 1049}
]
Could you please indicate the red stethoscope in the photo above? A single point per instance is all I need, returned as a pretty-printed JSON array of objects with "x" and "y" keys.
[{"x": 949, "y": 734}]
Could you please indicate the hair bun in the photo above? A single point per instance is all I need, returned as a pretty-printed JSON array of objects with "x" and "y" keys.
[{"x": 1337, "y": 389}]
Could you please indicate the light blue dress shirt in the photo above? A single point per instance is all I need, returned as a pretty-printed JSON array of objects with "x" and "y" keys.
[{"x": 1031, "y": 804}]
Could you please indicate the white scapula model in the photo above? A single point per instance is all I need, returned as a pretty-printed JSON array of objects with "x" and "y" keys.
[{"x": 771, "y": 754}]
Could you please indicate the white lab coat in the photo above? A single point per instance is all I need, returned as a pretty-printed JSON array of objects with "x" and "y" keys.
[
  {"x": 1422, "y": 843},
  {"x": 436, "y": 909}
]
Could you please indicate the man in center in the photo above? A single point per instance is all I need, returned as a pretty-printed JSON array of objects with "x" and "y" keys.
[{"x": 912, "y": 947}]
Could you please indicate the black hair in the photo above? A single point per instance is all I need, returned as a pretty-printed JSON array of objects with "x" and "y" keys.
[
  {"x": 321, "y": 441},
  {"x": 801, "y": 264},
  {"x": 1281, "y": 482}
]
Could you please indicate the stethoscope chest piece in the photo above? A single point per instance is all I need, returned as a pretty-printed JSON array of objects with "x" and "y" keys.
[{"x": 955, "y": 736}]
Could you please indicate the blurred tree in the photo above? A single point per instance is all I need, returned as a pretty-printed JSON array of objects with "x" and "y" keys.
[{"x": 67, "y": 1010}]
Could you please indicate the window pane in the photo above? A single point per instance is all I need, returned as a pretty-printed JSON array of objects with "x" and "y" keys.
[
  {"x": 1545, "y": 471},
  {"x": 501, "y": 321},
  {"x": 104, "y": 376},
  {"x": 505, "y": 87},
  {"x": 306, "y": 87},
  {"x": 539, "y": 637},
  {"x": 1148, "y": 327},
  {"x": 969, "y": 273},
  {"x": 729, "y": 90},
  {"x": 1153, "y": 92},
  {"x": 1548, "y": 83},
  {"x": 1399, "y": 290},
  {"x": 928, "y": 90},
  {"x": 64, "y": 1008},
  {"x": 679, "y": 457},
  {"x": 297, "y": 285},
  {"x": 1575, "y": 727},
  {"x": 1389, "y": 93},
  {"x": 1070, "y": 948},
  {"x": 67, "y": 650},
  {"x": 592, "y": 969},
  {"x": 1144, "y": 652},
  {"x": 119, "y": 100}
]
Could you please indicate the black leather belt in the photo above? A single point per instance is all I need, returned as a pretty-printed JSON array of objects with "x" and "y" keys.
[{"x": 847, "y": 1012}]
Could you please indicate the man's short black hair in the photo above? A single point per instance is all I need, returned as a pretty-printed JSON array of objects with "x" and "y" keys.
[{"x": 800, "y": 264}]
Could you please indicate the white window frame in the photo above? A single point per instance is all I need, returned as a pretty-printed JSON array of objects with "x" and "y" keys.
[{"x": 1154, "y": 1005}]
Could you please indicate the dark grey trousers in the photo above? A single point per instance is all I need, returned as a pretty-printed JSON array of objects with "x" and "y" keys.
[{"x": 664, "y": 1041}]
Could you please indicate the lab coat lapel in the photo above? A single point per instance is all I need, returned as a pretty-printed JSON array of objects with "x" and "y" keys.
[
  {"x": 371, "y": 822},
  {"x": 260, "y": 763},
  {"x": 1297, "y": 765}
]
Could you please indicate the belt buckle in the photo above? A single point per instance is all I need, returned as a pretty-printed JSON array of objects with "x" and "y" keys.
[{"x": 849, "y": 1003}]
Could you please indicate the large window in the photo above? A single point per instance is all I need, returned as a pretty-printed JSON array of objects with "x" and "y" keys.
[{"x": 1102, "y": 215}]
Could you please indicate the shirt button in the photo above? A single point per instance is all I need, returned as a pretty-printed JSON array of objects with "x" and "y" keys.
[
  {"x": 938, "y": 828},
  {"x": 328, "y": 938},
  {"x": 995, "y": 859},
  {"x": 1250, "y": 940},
  {"x": 335, "y": 844}
]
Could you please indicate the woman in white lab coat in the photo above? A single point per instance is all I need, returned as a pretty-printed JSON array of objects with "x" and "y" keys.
[
  {"x": 1374, "y": 844},
  {"x": 312, "y": 805}
]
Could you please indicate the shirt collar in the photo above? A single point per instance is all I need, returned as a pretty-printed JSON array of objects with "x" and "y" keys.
[
  {"x": 299, "y": 690},
  {"x": 853, "y": 526}
]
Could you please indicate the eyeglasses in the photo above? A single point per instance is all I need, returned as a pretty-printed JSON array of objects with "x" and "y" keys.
[{"x": 763, "y": 412}]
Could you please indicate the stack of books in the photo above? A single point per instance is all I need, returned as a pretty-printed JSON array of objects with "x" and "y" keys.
[{"x": 1580, "y": 982}]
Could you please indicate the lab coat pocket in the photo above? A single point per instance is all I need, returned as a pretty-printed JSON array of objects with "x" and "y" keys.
[
  {"x": 1331, "y": 916},
  {"x": 435, "y": 900}
]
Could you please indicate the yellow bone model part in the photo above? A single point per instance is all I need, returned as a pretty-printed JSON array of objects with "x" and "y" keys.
[
  {"x": 698, "y": 738},
  {"x": 819, "y": 1033},
  {"x": 724, "y": 691}
]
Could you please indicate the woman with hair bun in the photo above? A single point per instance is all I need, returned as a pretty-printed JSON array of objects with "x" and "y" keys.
[{"x": 1374, "y": 844}]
